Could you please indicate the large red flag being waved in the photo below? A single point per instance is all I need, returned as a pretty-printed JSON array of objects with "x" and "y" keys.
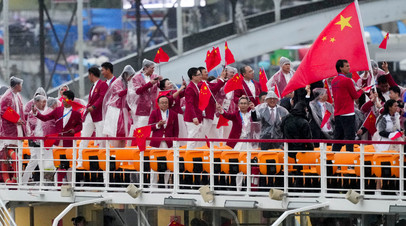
[
  {"x": 384, "y": 41},
  {"x": 263, "y": 80},
  {"x": 341, "y": 39},
  {"x": 161, "y": 56},
  {"x": 234, "y": 83},
  {"x": 204, "y": 96},
  {"x": 142, "y": 134},
  {"x": 229, "y": 57}
]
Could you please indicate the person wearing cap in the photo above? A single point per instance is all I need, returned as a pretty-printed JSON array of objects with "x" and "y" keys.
[
  {"x": 67, "y": 121},
  {"x": 318, "y": 108},
  {"x": 107, "y": 72},
  {"x": 344, "y": 114},
  {"x": 12, "y": 99},
  {"x": 142, "y": 93},
  {"x": 251, "y": 88},
  {"x": 282, "y": 77},
  {"x": 271, "y": 119},
  {"x": 115, "y": 108}
]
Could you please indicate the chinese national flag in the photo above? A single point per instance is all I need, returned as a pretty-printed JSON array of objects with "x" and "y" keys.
[
  {"x": 234, "y": 83},
  {"x": 355, "y": 77},
  {"x": 369, "y": 123},
  {"x": 222, "y": 122},
  {"x": 161, "y": 56},
  {"x": 341, "y": 39},
  {"x": 141, "y": 134},
  {"x": 11, "y": 115},
  {"x": 263, "y": 80},
  {"x": 325, "y": 119},
  {"x": 213, "y": 59},
  {"x": 229, "y": 57},
  {"x": 277, "y": 91},
  {"x": 204, "y": 96},
  {"x": 384, "y": 41},
  {"x": 329, "y": 97},
  {"x": 75, "y": 105},
  {"x": 50, "y": 142}
]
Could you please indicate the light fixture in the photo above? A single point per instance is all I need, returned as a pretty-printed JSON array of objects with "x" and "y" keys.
[
  {"x": 276, "y": 194},
  {"x": 244, "y": 204},
  {"x": 179, "y": 202},
  {"x": 353, "y": 196},
  {"x": 207, "y": 195},
  {"x": 133, "y": 191},
  {"x": 397, "y": 209}
]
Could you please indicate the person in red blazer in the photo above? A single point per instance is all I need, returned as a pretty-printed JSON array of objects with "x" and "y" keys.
[
  {"x": 252, "y": 88},
  {"x": 107, "y": 72},
  {"x": 164, "y": 123},
  {"x": 67, "y": 121},
  {"x": 93, "y": 117},
  {"x": 241, "y": 119}
]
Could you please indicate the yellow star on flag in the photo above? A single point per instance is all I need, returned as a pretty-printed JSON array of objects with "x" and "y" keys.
[
  {"x": 344, "y": 22},
  {"x": 332, "y": 39},
  {"x": 324, "y": 38}
]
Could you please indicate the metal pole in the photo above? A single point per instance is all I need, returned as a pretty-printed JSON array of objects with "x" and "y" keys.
[
  {"x": 138, "y": 31},
  {"x": 179, "y": 26},
  {"x": 277, "y": 4},
  {"x": 6, "y": 41},
  {"x": 41, "y": 43},
  {"x": 80, "y": 48}
]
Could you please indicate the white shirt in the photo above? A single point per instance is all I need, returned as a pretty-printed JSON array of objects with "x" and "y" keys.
[
  {"x": 109, "y": 81},
  {"x": 246, "y": 121},
  {"x": 94, "y": 85},
  {"x": 146, "y": 78},
  {"x": 287, "y": 76},
  {"x": 67, "y": 112},
  {"x": 165, "y": 116},
  {"x": 251, "y": 86}
]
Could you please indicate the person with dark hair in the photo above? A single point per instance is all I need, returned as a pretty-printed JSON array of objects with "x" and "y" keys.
[
  {"x": 164, "y": 123},
  {"x": 344, "y": 93},
  {"x": 67, "y": 121},
  {"x": 193, "y": 115},
  {"x": 261, "y": 97},
  {"x": 241, "y": 123},
  {"x": 383, "y": 88},
  {"x": 251, "y": 88},
  {"x": 388, "y": 126},
  {"x": 12, "y": 99},
  {"x": 142, "y": 94},
  {"x": 107, "y": 72},
  {"x": 93, "y": 116},
  {"x": 296, "y": 126},
  {"x": 79, "y": 221}
]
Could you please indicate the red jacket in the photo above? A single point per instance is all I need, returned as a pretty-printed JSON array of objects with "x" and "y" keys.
[
  {"x": 75, "y": 122},
  {"x": 211, "y": 107},
  {"x": 344, "y": 94},
  {"x": 192, "y": 103},
  {"x": 246, "y": 91},
  {"x": 96, "y": 99},
  {"x": 236, "y": 129},
  {"x": 171, "y": 129}
]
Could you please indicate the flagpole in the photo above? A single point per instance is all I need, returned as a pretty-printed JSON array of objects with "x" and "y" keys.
[{"x": 361, "y": 24}]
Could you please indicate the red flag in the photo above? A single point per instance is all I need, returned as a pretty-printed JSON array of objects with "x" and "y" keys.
[
  {"x": 217, "y": 56},
  {"x": 277, "y": 91},
  {"x": 384, "y": 41},
  {"x": 396, "y": 136},
  {"x": 222, "y": 122},
  {"x": 341, "y": 39},
  {"x": 204, "y": 96},
  {"x": 234, "y": 83},
  {"x": 75, "y": 105},
  {"x": 209, "y": 61},
  {"x": 141, "y": 134},
  {"x": 229, "y": 57},
  {"x": 355, "y": 77},
  {"x": 368, "y": 88},
  {"x": 329, "y": 97},
  {"x": 213, "y": 59},
  {"x": 263, "y": 80},
  {"x": 49, "y": 142},
  {"x": 161, "y": 56},
  {"x": 326, "y": 117},
  {"x": 11, "y": 115},
  {"x": 369, "y": 123}
]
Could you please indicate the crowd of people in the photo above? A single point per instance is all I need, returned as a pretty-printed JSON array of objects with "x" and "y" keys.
[{"x": 336, "y": 108}]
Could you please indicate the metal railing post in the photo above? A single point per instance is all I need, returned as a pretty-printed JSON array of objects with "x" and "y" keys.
[
  {"x": 211, "y": 166},
  {"x": 362, "y": 169},
  {"x": 323, "y": 169},
  {"x": 176, "y": 168},
  {"x": 142, "y": 169},
  {"x": 20, "y": 161},
  {"x": 401, "y": 170},
  {"x": 285, "y": 168},
  {"x": 249, "y": 176},
  {"x": 107, "y": 177},
  {"x": 41, "y": 164},
  {"x": 74, "y": 163}
]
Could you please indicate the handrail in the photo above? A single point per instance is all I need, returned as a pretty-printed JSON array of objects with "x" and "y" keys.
[
  {"x": 3, "y": 210},
  {"x": 306, "y": 208}
]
